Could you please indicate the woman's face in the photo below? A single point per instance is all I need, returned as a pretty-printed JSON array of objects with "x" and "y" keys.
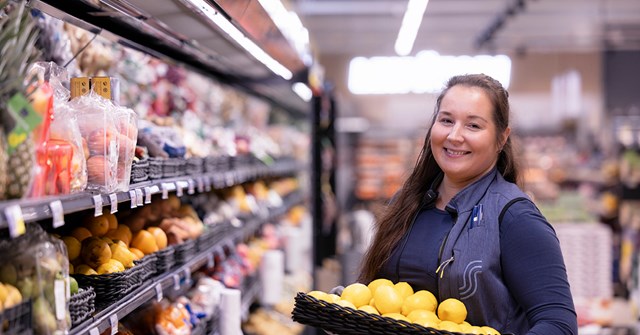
[{"x": 463, "y": 137}]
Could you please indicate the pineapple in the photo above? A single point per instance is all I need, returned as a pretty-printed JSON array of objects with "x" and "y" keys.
[{"x": 18, "y": 34}]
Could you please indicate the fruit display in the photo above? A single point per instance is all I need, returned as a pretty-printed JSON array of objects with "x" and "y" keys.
[
  {"x": 36, "y": 264},
  {"x": 400, "y": 302}
]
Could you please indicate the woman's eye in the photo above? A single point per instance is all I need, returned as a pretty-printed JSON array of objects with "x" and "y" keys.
[
  {"x": 446, "y": 121},
  {"x": 474, "y": 126}
]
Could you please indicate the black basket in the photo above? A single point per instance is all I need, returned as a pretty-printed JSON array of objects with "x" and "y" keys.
[
  {"x": 242, "y": 160},
  {"x": 82, "y": 305},
  {"x": 219, "y": 163},
  {"x": 17, "y": 319},
  {"x": 140, "y": 171},
  {"x": 155, "y": 168},
  {"x": 173, "y": 167},
  {"x": 343, "y": 320},
  {"x": 211, "y": 235},
  {"x": 165, "y": 259},
  {"x": 111, "y": 287},
  {"x": 184, "y": 251},
  {"x": 194, "y": 166}
]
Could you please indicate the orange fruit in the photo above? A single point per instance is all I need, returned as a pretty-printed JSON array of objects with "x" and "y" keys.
[
  {"x": 160, "y": 236},
  {"x": 121, "y": 233},
  {"x": 98, "y": 226},
  {"x": 73, "y": 247},
  {"x": 357, "y": 293},
  {"x": 139, "y": 254},
  {"x": 144, "y": 241},
  {"x": 95, "y": 251},
  {"x": 452, "y": 310},
  {"x": 80, "y": 233},
  {"x": 111, "y": 219}
]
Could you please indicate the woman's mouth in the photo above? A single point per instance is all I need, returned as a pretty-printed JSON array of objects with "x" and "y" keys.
[{"x": 455, "y": 152}]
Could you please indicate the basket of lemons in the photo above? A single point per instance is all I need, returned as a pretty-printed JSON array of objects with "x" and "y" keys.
[{"x": 384, "y": 307}]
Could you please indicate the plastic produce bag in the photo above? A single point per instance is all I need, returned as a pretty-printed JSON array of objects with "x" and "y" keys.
[{"x": 127, "y": 126}]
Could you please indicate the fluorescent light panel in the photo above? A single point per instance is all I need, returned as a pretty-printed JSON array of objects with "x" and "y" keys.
[
  {"x": 239, "y": 37},
  {"x": 410, "y": 25},
  {"x": 302, "y": 90}
]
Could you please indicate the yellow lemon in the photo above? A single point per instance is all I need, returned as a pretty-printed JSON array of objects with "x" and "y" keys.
[
  {"x": 345, "y": 303},
  {"x": 369, "y": 309},
  {"x": 387, "y": 300},
  {"x": 373, "y": 285},
  {"x": 404, "y": 289},
  {"x": 417, "y": 301},
  {"x": 332, "y": 298},
  {"x": 427, "y": 323},
  {"x": 423, "y": 314},
  {"x": 465, "y": 326},
  {"x": 73, "y": 247},
  {"x": 318, "y": 295},
  {"x": 474, "y": 330},
  {"x": 489, "y": 331},
  {"x": 358, "y": 294},
  {"x": 449, "y": 326},
  {"x": 396, "y": 316},
  {"x": 429, "y": 296},
  {"x": 84, "y": 269},
  {"x": 452, "y": 310},
  {"x": 111, "y": 266}
]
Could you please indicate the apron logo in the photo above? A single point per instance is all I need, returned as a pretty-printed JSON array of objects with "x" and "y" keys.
[{"x": 470, "y": 279}]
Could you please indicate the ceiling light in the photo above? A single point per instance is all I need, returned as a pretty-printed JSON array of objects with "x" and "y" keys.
[
  {"x": 290, "y": 25},
  {"x": 410, "y": 25},
  {"x": 303, "y": 91},
  {"x": 238, "y": 36}
]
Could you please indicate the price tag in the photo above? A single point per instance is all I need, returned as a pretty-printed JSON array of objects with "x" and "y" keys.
[
  {"x": 97, "y": 205},
  {"x": 165, "y": 190},
  {"x": 210, "y": 260},
  {"x": 176, "y": 282},
  {"x": 229, "y": 181},
  {"x": 207, "y": 184},
  {"x": 57, "y": 213},
  {"x": 139, "y": 197},
  {"x": 113, "y": 322},
  {"x": 158, "y": 292},
  {"x": 187, "y": 276},
  {"x": 200, "y": 184},
  {"x": 15, "y": 220},
  {"x": 147, "y": 195},
  {"x": 133, "y": 196},
  {"x": 94, "y": 331},
  {"x": 113, "y": 200},
  {"x": 192, "y": 187}
]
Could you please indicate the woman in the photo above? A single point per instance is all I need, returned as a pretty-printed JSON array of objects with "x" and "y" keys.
[{"x": 462, "y": 228}]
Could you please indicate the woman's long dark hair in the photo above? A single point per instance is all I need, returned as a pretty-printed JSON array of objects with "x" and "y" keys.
[{"x": 398, "y": 217}]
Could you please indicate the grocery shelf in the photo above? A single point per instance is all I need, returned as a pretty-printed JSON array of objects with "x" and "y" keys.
[
  {"x": 179, "y": 277},
  {"x": 55, "y": 207}
]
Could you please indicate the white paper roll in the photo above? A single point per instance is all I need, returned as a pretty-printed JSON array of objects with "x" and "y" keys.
[
  {"x": 272, "y": 277},
  {"x": 230, "y": 312}
]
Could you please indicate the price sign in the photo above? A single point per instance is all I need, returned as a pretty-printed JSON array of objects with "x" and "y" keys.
[
  {"x": 15, "y": 220},
  {"x": 57, "y": 213},
  {"x": 113, "y": 200},
  {"x": 176, "y": 282},
  {"x": 192, "y": 187},
  {"x": 139, "y": 197},
  {"x": 210, "y": 260},
  {"x": 187, "y": 276},
  {"x": 113, "y": 322},
  {"x": 94, "y": 331},
  {"x": 133, "y": 196},
  {"x": 97, "y": 205},
  {"x": 147, "y": 195},
  {"x": 158, "y": 292}
]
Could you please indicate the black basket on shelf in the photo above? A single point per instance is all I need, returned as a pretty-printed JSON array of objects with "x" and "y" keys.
[
  {"x": 16, "y": 320},
  {"x": 173, "y": 167},
  {"x": 140, "y": 171},
  {"x": 82, "y": 305},
  {"x": 242, "y": 160},
  {"x": 165, "y": 259},
  {"x": 155, "y": 167},
  {"x": 184, "y": 251},
  {"x": 347, "y": 321},
  {"x": 220, "y": 163},
  {"x": 211, "y": 235},
  {"x": 194, "y": 166},
  {"x": 111, "y": 287}
]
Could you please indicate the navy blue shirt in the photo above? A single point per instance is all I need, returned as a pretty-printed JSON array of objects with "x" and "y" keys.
[{"x": 532, "y": 263}]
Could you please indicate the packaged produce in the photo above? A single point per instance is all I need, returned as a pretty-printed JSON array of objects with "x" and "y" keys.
[{"x": 127, "y": 126}]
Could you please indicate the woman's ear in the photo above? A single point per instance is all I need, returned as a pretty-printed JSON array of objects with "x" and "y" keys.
[{"x": 504, "y": 138}]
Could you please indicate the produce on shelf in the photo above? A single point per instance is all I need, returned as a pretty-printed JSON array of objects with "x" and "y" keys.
[
  {"x": 10, "y": 296},
  {"x": 399, "y": 301}
]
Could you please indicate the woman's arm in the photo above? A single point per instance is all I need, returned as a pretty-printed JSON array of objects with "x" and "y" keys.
[{"x": 534, "y": 271}]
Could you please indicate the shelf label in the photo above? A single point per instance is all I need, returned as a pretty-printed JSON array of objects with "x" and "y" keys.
[
  {"x": 15, "y": 220},
  {"x": 192, "y": 187},
  {"x": 57, "y": 213},
  {"x": 176, "y": 282},
  {"x": 207, "y": 184},
  {"x": 147, "y": 195},
  {"x": 133, "y": 196},
  {"x": 229, "y": 181},
  {"x": 113, "y": 200},
  {"x": 200, "y": 184},
  {"x": 139, "y": 197},
  {"x": 60, "y": 298},
  {"x": 113, "y": 322},
  {"x": 210, "y": 260},
  {"x": 187, "y": 276},
  {"x": 97, "y": 205},
  {"x": 94, "y": 331},
  {"x": 165, "y": 191},
  {"x": 158, "y": 292}
]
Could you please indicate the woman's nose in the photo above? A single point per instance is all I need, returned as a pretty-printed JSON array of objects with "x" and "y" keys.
[{"x": 455, "y": 134}]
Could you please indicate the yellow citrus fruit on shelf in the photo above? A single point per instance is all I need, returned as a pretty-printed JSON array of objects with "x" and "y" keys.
[
  {"x": 369, "y": 309},
  {"x": 73, "y": 247},
  {"x": 423, "y": 314},
  {"x": 80, "y": 233},
  {"x": 139, "y": 254},
  {"x": 121, "y": 253},
  {"x": 358, "y": 294},
  {"x": 98, "y": 226},
  {"x": 396, "y": 316},
  {"x": 345, "y": 303},
  {"x": 160, "y": 236},
  {"x": 430, "y": 296},
  {"x": 84, "y": 269},
  {"x": 95, "y": 252},
  {"x": 145, "y": 242},
  {"x": 332, "y": 298},
  {"x": 387, "y": 300},
  {"x": 111, "y": 266},
  {"x": 417, "y": 301},
  {"x": 112, "y": 220},
  {"x": 465, "y": 327},
  {"x": 449, "y": 326},
  {"x": 120, "y": 233},
  {"x": 374, "y": 284},
  {"x": 474, "y": 330},
  {"x": 452, "y": 310},
  {"x": 318, "y": 295},
  {"x": 489, "y": 331},
  {"x": 427, "y": 322},
  {"x": 404, "y": 289}
]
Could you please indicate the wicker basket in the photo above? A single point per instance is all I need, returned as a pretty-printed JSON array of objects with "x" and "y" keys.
[
  {"x": 216, "y": 164},
  {"x": 212, "y": 235},
  {"x": 17, "y": 319},
  {"x": 140, "y": 171},
  {"x": 82, "y": 305},
  {"x": 184, "y": 251},
  {"x": 342, "y": 320},
  {"x": 111, "y": 287},
  {"x": 194, "y": 166},
  {"x": 173, "y": 167},
  {"x": 155, "y": 168},
  {"x": 165, "y": 259}
]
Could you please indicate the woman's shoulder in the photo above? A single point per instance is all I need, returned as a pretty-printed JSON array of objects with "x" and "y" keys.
[{"x": 523, "y": 213}]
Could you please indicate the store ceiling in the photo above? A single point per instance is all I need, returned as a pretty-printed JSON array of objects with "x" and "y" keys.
[{"x": 457, "y": 27}]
